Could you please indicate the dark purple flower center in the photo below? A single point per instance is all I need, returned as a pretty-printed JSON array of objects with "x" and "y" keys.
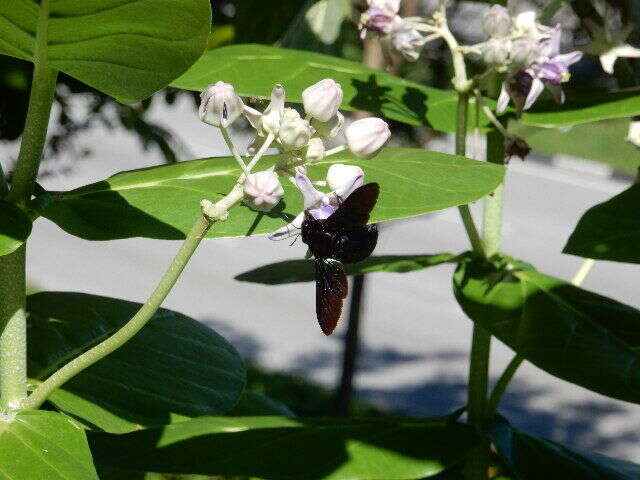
[{"x": 521, "y": 83}]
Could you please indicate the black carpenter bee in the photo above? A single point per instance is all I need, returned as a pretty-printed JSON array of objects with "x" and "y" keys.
[{"x": 343, "y": 237}]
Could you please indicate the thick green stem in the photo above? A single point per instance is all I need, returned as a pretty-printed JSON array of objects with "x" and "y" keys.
[
  {"x": 91, "y": 356},
  {"x": 493, "y": 204},
  {"x": 43, "y": 87},
  {"x": 461, "y": 149},
  {"x": 13, "y": 336}
]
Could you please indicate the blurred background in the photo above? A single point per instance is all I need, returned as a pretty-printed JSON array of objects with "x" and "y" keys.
[{"x": 414, "y": 337}]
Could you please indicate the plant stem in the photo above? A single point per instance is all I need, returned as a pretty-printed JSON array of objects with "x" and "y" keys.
[
  {"x": 234, "y": 151},
  {"x": 43, "y": 87},
  {"x": 13, "y": 339},
  {"x": 493, "y": 204},
  {"x": 583, "y": 271},
  {"x": 461, "y": 149},
  {"x": 351, "y": 347},
  {"x": 133, "y": 326},
  {"x": 502, "y": 383}
]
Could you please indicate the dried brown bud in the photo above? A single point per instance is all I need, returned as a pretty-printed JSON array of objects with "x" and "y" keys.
[{"x": 515, "y": 145}]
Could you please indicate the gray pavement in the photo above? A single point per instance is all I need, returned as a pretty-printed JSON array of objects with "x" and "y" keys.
[{"x": 416, "y": 337}]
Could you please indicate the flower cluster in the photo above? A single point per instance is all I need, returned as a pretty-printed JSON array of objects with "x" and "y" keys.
[{"x": 301, "y": 140}]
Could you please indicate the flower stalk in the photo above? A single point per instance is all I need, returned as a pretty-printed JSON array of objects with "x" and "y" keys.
[{"x": 133, "y": 326}]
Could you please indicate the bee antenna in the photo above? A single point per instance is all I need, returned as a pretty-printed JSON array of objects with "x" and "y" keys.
[{"x": 294, "y": 240}]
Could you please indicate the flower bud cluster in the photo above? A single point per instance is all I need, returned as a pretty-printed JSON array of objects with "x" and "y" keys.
[{"x": 300, "y": 139}]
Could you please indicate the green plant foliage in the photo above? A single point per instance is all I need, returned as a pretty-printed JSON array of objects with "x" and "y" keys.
[
  {"x": 43, "y": 445},
  {"x": 172, "y": 369},
  {"x": 282, "y": 448},
  {"x": 15, "y": 227},
  {"x": 164, "y": 202},
  {"x": 364, "y": 88},
  {"x": 293, "y": 271},
  {"x": 252, "y": 404},
  {"x": 531, "y": 458},
  {"x": 574, "y": 334},
  {"x": 610, "y": 230},
  {"x": 584, "y": 108},
  {"x": 125, "y": 48}
]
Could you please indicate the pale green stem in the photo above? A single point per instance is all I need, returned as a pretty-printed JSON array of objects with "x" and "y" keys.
[
  {"x": 335, "y": 150},
  {"x": 263, "y": 149},
  {"x": 493, "y": 204},
  {"x": 583, "y": 271},
  {"x": 133, "y": 326},
  {"x": 13, "y": 333},
  {"x": 234, "y": 151},
  {"x": 502, "y": 383},
  {"x": 13, "y": 339},
  {"x": 461, "y": 148}
]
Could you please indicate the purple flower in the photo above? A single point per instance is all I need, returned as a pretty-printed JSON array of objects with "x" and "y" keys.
[
  {"x": 377, "y": 19},
  {"x": 550, "y": 69}
]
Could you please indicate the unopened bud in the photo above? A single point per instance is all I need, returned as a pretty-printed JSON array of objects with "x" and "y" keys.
[
  {"x": 262, "y": 190},
  {"x": 294, "y": 132},
  {"x": 219, "y": 106},
  {"x": 367, "y": 136},
  {"x": 524, "y": 52},
  {"x": 497, "y": 22},
  {"x": 315, "y": 150},
  {"x": 495, "y": 51},
  {"x": 393, "y": 5},
  {"x": 516, "y": 146},
  {"x": 272, "y": 115},
  {"x": 344, "y": 179},
  {"x": 634, "y": 133},
  {"x": 408, "y": 41},
  {"x": 322, "y": 100},
  {"x": 329, "y": 129}
]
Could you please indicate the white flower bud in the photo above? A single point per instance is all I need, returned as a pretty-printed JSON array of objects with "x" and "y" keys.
[
  {"x": 322, "y": 100},
  {"x": 524, "y": 52},
  {"x": 328, "y": 129},
  {"x": 220, "y": 106},
  {"x": 294, "y": 132},
  {"x": 407, "y": 40},
  {"x": 262, "y": 190},
  {"x": 393, "y": 5},
  {"x": 344, "y": 179},
  {"x": 272, "y": 115},
  {"x": 315, "y": 150},
  {"x": 634, "y": 133},
  {"x": 367, "y": 136},
  {"x": 495, "y": 51},
  {"x": 497, "y": 22}
]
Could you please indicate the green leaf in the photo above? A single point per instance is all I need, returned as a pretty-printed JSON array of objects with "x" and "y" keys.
[
  {"x": 585, "y": 107},
  {"x": 531, "y": 458},
  {"x": 173, "y": 368},
  {"x": 43, "y": 445},
  {"x": 284, "y": 448},
  {"x": 292, "y": 271},
  {"x": 610, "y": 230},
  {"x": 574, "y": 334},
  {"x": 164, "y": 202},
  {"x": 15, "y": 227},
  {"x": 364, "y": 88},
  {"x": 252, "y": 404},
  {"x": 125, "y": 48}
]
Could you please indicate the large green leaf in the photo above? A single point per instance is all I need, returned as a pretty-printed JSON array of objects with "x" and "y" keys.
[
  {"x": 610, "y": 230},
  {"x": 585, "y": 107},
  {"x": 173, "y": 368},
  {"x": 285, "y": 448},
  {"x": 125, "y": 48},
  {"x": 164, "y": 202},
  {"x": 364, "y": 88},
  {"x": 292, "y": 271},
  {"x": 15, "y": 227},
  {"x": 531, "y": 458},
  {"x": 574, "y": 334},
  {"x": 38, "y": 445}
]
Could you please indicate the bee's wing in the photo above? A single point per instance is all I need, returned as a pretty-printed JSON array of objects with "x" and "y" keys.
[
  {"x": 355, "y": 210},
  {"x": 331, "y": 289}
]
